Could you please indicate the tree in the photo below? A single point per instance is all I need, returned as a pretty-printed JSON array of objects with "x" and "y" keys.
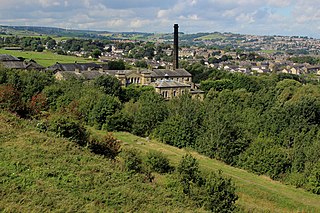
[
  {"x": 181, "y": 128},
  {"x": 142, "y": 64},
  {"x": 151, "y": 111},
  {"x": 96, "y": 53},
  {"x": 158, "y": 162},
  {"x": 188, "y": 170},
  {"x": 116, "y": 65},
  {"x": 110, "y": 85},
  {"x": 220, "y": 194}
]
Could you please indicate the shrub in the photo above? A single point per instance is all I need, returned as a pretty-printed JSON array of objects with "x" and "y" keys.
[
  {"x": 220, "y": 194},
  {"x": 37, "y": 104},
  {"x": 132, "y": 160},
  {"x": 157, "y": 162},
  {"x": 314, "y": 179},
  {"x": 66, "y": 126},
  {"x": 108, "y": 146},
  {"x": 10, "y": 98},
  {"x": 188, "y": 170},
  {"x": 119, "y": 121}
]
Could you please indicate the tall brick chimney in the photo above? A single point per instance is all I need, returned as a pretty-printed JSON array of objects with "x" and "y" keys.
[{"x": 176, "y": 47}]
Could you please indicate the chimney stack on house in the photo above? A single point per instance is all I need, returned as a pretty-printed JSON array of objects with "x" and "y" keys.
[{"x": 176, "y": 47}]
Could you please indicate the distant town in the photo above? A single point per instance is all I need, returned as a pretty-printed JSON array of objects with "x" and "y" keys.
[{"x": 231, "y": 52}]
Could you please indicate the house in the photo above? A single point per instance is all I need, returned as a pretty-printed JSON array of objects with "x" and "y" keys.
[
  {"x": 76, "y": 67},
  {"x": 11, "y": 62},
  {"x": 167, "y": 82}
]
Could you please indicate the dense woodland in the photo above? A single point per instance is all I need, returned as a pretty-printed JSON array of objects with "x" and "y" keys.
[{"x": 265, "y": 124}]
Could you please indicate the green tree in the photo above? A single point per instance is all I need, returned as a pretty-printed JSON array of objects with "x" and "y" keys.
[
  {"x": 220, "y": 194},
  {"x": 110, "y": 85},
  {"x": 96, "y": 53},
  {"x": 151, "y": 111},
  {"x": 188, "y": 170}
]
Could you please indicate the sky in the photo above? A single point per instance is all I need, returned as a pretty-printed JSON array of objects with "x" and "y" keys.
[{"x": 257, "y": 17}]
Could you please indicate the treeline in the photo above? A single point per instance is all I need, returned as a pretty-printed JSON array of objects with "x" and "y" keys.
[
  {"x": 65, "y": 108},
  {"x": 305, "y": 59},
  {"x": 265, "y": 124},
  {"x": 268, "y": 125}
]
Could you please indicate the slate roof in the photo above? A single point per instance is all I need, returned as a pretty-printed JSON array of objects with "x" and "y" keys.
[
  {"x": 161, "y": 73},
  {"x": 12, "y": 62},
  {"x": 6, "y": 57},
  {"x": 168, "y": 84},
  {"x": 75, "y": 66}
]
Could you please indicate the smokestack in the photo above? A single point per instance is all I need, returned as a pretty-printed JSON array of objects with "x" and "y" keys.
[{"x": 176, "y": 47}]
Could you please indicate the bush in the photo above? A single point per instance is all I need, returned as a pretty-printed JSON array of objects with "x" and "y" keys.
[
  {"x": 107, "y": 146},
  {"x": 188, "y": 170},
  {"x": 219, "y": 194},
  {"x": 132, "y": 160},
  {"x": 157, "y": 162},
  {"x": 37, "y": 104},
  {"x": 314, "y": 179},
  {"x": 120, "y": 121},
  {"x": 68, "y": 127},
  {"x": 10, "y": 98}
]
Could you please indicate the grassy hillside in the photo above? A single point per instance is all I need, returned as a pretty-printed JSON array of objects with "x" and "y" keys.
[
  {"x": 41, "y": 173},
  {"x": 256, "y": 193},
  {"x": 44, "y": 58}
]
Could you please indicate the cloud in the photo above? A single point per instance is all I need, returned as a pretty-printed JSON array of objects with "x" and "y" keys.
[{"x": 300, "y": 17}]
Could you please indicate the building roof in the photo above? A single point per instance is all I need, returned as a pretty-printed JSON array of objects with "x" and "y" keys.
[
  {"x": 161, "y": 73},
  {"x": 6, "y": 57},
  {"x": 86, "y": 75},
  {"x": 166, "y": 83},
  {"x": 14, "y": 64},
  {"x": 75, "y": 66}
]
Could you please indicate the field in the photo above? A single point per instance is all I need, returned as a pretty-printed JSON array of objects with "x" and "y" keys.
[
  {"x": 44, "y": 173},
  {"x": 211, "y": 37},
  {"x": 40, "y": 172},
  {"x": 257, "y": 193},
  {"x": 45, "y": 58}
]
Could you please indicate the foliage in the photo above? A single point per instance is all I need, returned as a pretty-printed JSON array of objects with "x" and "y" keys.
[
  {"x": 132, "y": 160},
  {"x": 68, "y": 127},
  {"x": 108, "y": 145},
  {"x": 119, "y": 121},
  {"x": 181, "y": 128},
  {"x": 110, "y": 85},
  {"x": 189, "y": 172},
  {"x": 151, "y": 110},
  {"x": 116, "y": 65},
  {"x": 158, "y": 162},
  {"x": 10, "y": 98},
  {"x": 220, "y": 193},
  {"x": 37, "y": 104}
]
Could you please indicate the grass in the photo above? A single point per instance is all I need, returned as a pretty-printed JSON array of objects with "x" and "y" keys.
[
  {"x": 211, "y": 37},
  {"x": 44, "y": 173},
  {"x": 256, "y": 193},
  {"x": 40, "y": 172},
  {"x": 45, "y": 58},
  {"x": 271, "y": 51}
]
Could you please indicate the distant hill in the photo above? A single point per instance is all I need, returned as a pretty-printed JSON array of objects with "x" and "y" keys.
[{"x": 60, "y": 32}]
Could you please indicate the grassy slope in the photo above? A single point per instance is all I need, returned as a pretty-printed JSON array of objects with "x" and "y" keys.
[
  {"x": 39, "y": 173},
  {"x": 45, "y": 58},
  {"x": 212, "y": 36},
  {"x": 257, "y": 193}
]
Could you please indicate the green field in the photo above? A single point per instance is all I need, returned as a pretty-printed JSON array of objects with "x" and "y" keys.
[
  {"x": 256, "y": 193},
  {"x": 40, "y": 172},
  {"x": 212, "y": 37},
  {"x": 45, "y": 58}
]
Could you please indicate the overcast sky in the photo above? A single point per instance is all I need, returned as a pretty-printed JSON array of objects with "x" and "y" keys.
[{"x": 261, "y": 17}]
